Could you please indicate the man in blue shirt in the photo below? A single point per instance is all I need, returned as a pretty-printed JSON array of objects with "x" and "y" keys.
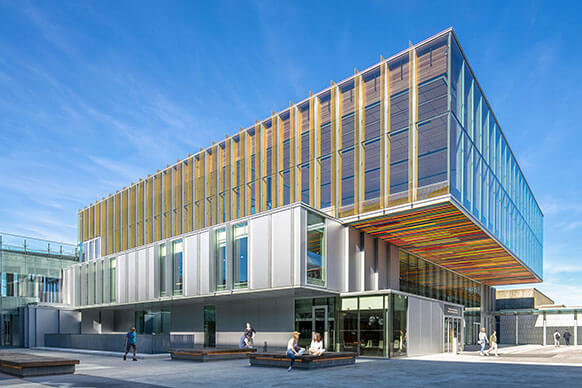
[{"x": 130, "y": 343}]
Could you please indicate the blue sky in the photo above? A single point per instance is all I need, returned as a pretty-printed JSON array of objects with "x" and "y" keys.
[{"x": 95, "y": 95}]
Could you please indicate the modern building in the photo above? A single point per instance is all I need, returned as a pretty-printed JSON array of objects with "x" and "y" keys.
[
  {"x": 521, "y": 298},
  {"x": 527, "y": 316},
  {"x": 379, "y": 211},
  {"x": 31, "y": 273}
]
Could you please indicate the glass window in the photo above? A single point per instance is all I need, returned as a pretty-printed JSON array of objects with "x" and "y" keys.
[
  {"x": 220, "y": 259},
  {"x": 315, "y": 249},
  {"x": 399, "y": 340},
  {"x": 162, "y": 269},
  {"x": 240, "y": 255},
  {"x": 113, "y": 279},
  {"x": 348, "y": 325},
  {"x": 372, "y": 326},
  {"x": 177, "y": 259},
  {"x": 209, "y": 326}
]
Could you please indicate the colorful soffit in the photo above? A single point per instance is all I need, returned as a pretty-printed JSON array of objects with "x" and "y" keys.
[{"x": 446, "y": 236}]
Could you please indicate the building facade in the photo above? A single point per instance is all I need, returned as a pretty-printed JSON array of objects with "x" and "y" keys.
[
  {"x": 527, "y": 316},
  {"x": 385, "y": 199},
  {"x": 31, "y": 273}
]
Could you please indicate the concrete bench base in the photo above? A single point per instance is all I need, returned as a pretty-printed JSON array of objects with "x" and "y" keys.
[
  {"x": 203, "y": 355},
  {"x": 28, "y": 365},
  {"x": 305, "y": 361}
]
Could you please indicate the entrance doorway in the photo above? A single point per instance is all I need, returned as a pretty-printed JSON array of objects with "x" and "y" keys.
[
  {"x": 209, "y": 326},
  {"x": 319, "y": 322},
  {"x": 453, "y": 329}
]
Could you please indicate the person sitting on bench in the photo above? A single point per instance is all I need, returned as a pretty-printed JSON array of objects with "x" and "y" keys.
[
  {"x": 293, "y": 350},
  {"x": 316, "y": 348},
  {"x": 245, "y": 342}
]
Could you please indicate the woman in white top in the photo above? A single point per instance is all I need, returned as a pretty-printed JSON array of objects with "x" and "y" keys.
[
  {"x": 293, "y": 350},
  {"x": 316, "y": 347}
]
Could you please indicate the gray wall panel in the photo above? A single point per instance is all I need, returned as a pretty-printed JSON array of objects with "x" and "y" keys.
[
  {"x": 335, "y": 255},
  {"x": 122, "y": 278},
  {"x": 382, "y": 265},
  {"x": 204, "y": 259},
  {"x": 47, "y": 322},
  {"x": 123, "y": 320},
  {"x": 191, "y": 265},
  {"x": 297, "y": 238},
  {"x": 141, "y": 281},
  {"x": 90, "y": 322},
  {"x": 273, "y": 318},
  {"x": 131, "y": 286},
  {"x": 259, "y": 253},
  {"x": 424, "y": 321},
  {"x": 69, "y": 322},
  {"x": 150, "y": 274},
  {"x": 99, "y": 285},
  {"x": 393, "y": 267},
  {"x": 370, "y": 280},
  {"x": 354, "y": 261},
  {"x": 282, "y": 249}
]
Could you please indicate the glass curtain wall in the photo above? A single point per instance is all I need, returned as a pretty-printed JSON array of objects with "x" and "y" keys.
[
  {"x": 373, "y": 325},
  {"x": 485, "y": 177},
  {"x": 306, "y": 322},
  {"x": 30, "y": 272},
  {"x": 240, "y": 255},
  {"x": 398, "y": 340},
  {"x": 315, "y": 249},
  {"x": 421, "y": 277}
]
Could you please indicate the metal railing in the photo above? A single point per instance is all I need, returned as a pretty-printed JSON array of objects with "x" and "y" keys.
[{"x": 14, "y": 242}]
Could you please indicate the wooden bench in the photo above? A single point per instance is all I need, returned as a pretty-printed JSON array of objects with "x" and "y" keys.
[
  {"x": 305, "y": 361},
  {"x": 28, "y": 365},
  {"x": 209, "y": 354}
]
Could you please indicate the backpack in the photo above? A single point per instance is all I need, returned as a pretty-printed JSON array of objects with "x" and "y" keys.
[{"x": 557, "y": 335}]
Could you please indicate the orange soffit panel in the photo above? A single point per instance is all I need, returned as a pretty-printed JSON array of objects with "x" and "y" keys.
[{"x": 444, "y": 235}]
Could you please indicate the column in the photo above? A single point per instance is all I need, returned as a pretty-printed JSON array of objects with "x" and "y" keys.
[
  {"x": 358, "y": 146},
  {"x": 575, "y": 328},
  {"x": 516, "y": 329},
  {"x": 413, "y": 132},
  {"x": 544, "y": 330},
  {"x": 393, "y": 267},
  {"x": 384, "y": 133}
]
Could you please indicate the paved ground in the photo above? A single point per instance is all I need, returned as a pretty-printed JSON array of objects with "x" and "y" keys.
[{"x": 532, "y": 366}]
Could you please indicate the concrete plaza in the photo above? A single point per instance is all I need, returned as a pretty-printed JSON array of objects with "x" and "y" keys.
[{"x": 530, "y": 366}]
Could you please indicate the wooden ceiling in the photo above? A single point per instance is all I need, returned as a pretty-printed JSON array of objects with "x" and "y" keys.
[{"x": 444, "y": 235}]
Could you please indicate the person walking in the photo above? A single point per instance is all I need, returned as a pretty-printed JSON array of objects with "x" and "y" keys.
[
  {"x": 293, "y": 350},
  {"x": 567, "y": 336},
  {"x": 130, "y": 343},
  {"x": 482, "y": 341},
  {"x": 557, "y": 338},
  {"x": 492, "y": 344}
]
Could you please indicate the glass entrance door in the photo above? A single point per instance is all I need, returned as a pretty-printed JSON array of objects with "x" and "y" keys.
[
  {"x": 209, "y": 326},
  {"x": 452, "y": 334},
  {"x": 319, "y": 323}
]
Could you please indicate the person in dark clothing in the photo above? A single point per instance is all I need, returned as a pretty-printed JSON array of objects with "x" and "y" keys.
[
  {"x": 250, "y": 334},
  {"x": 567, "y": 336}
]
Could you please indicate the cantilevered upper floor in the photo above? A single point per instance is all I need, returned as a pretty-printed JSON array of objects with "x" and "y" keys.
[{"x": 408, "y": 150}]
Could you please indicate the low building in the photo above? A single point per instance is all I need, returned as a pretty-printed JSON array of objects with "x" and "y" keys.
[
  {"x": 31, "y": 273},
  {"x": 527, "y": 316},
  {"x": 520, "y": 298}
]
